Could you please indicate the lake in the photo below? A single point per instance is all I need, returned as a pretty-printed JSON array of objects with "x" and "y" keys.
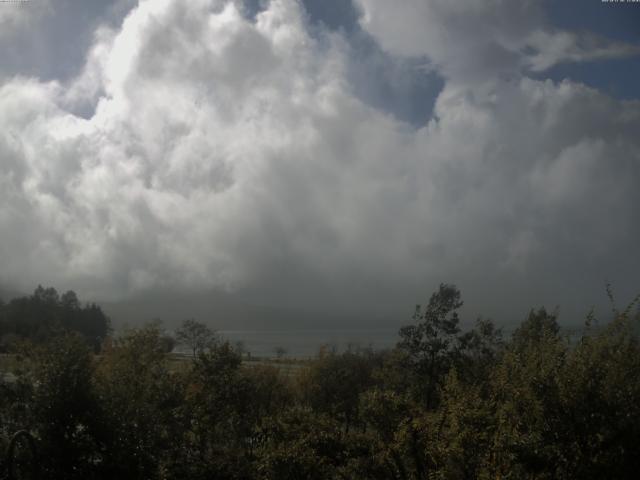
[{"x": 306, "y": 343}]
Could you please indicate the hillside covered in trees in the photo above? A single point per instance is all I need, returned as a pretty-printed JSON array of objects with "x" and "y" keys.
[
  {"x": 442, "y": 404},
  {"x": 46, "y": 314}
]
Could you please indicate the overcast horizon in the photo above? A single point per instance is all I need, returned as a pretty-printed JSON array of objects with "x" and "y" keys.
[{"x": 336, "y": 157}]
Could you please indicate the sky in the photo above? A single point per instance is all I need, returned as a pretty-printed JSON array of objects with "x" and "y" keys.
[{"x": 321, "y": 159}]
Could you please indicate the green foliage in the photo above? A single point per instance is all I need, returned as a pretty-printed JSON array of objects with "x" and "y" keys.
[
  {"x": 64, "y": 406},
  {"x": 443, "y": 404},
  {"x": 140, "y": 400},
  {"x": 16, "y": 393},
  {"x": 299, "y": 444},
  {"x": 462, "y": 433},
  {"x": 478, "y": 351},
  {"x": 431, "y": 343},
  {"x": 333, "y": 384},
  {"x": 539, "y": 327}
]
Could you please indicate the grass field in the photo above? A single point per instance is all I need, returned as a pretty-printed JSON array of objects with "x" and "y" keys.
[{"x": 288, "y": 367}]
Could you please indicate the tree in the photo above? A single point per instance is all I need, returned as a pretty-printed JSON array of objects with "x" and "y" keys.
[
  {"x": 280, "y": 351},
  {"x": 479, "y": 350},
  {"x": 140, "y": 398},
  {"x": 333, "y": 384},
  {"x": 46, "y": 295},
  {"x": 540, "y": 325},
  {"x": 195, "y": 335},
  {"x": 387, "y": 413},
  {"x": 430, "y": 344},
  {"x": 299, "y": 443},
  {"x": 65, "y": 407},
  {"x": 45, "y": 314},
  {"x": 69, "y": 300},
  {"x": 221, "y": 407}
]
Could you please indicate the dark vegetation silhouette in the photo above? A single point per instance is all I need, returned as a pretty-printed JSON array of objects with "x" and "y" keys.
[
  {"x": 196, "y": 336},
  {"x": 44, "y": 315},
  {"x": 443, "y": 404}
]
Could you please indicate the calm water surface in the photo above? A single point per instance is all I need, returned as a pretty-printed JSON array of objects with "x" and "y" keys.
[{"x": 306, "y": 343}]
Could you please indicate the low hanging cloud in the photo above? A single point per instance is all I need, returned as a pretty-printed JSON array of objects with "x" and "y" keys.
[{"x": 199, "y": 149}]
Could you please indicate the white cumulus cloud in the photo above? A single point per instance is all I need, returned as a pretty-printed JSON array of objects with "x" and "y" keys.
[{"x": 222, "y": 152}]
